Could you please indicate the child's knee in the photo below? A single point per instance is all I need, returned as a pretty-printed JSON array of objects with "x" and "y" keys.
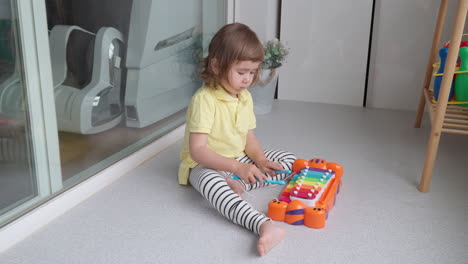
[{"x": 288, "y": 157}]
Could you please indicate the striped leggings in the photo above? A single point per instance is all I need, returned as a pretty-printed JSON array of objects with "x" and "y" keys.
[{"x": 212, "y": 185}]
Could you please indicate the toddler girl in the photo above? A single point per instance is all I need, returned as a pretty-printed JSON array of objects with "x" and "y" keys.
[{"x": 219, "y": 136}]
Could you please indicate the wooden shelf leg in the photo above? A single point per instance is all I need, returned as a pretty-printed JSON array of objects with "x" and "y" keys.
[
  {"x": 438, "y": 121},
  {"x": 432, "y": 56}
]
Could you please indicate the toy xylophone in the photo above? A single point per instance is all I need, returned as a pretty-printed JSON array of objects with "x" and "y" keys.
[{"x": 310, "y": 195}]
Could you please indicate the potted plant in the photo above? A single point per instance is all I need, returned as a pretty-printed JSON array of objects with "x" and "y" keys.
[{"x": 263, "y": 92}]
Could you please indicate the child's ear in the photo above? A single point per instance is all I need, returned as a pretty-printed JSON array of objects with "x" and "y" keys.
[{"x": 214, "y": 66}]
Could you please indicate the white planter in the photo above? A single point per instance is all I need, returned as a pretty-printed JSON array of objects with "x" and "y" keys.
[{"x": 263, "y": 93}]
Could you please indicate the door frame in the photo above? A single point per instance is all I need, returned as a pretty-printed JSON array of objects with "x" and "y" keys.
[{"x": 30, "y": 19}]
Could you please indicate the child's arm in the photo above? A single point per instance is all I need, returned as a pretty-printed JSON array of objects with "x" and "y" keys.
[
  {"x": 254, "y": 150},
  {"x": 200, "y": 153}
]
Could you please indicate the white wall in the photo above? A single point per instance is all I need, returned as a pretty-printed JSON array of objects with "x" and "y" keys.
[
  {"x": 328, "y": 51},
  {"x": 401, "y": 44},
  {"x": 402, "y": 40},
  {"x": 260, "y": 15}
]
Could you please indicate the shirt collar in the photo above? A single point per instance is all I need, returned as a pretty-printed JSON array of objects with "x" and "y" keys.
[{"x": 221, "y": 94}]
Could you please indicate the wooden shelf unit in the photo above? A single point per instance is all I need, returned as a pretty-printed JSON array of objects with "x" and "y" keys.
[
  {"x": 455, "y": 119},
  {"x": 445, "y": 117}
]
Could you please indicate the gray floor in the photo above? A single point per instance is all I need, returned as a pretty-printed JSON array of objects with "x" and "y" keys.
[{"x": 380, "y": 217}]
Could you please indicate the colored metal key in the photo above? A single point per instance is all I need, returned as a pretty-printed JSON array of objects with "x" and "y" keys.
[{"x": 235, "y": 177}]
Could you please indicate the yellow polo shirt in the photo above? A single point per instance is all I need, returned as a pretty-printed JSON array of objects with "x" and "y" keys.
[{"x": 224, "y": 118}]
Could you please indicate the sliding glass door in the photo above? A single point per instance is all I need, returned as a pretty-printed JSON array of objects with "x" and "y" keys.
[
  {"x": 26, "y": 170},
  {"x": 85, "y": 83},
  {"x": 147, "y": 74}
]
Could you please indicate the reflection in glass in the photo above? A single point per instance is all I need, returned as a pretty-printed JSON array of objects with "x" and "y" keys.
[
  {"x": 17, "y": 181},
  {"x": 116, "y": 93},
  {"x": 86, "y": 75}
]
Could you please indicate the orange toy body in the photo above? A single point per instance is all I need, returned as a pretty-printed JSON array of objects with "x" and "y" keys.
[
  {"x": 295, "y": 213},
  {"x": 310, "y": 195},
  {"x": 277, "y": 210}
]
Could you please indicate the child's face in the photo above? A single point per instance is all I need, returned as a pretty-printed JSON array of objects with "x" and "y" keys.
[{"x": 240, "y": 77}]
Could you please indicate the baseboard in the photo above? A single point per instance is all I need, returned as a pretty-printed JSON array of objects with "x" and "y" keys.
[{"x": 24, "y": 226}]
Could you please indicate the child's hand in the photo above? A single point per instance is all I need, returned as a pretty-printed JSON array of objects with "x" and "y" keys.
[
  {"x": 249, "y": 173},
  {"x": 269, "y": 167}
]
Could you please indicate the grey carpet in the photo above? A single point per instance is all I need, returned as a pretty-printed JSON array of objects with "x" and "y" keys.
[{"x": 380, "y": 217}]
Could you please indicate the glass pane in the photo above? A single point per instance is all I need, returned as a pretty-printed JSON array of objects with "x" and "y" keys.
[
  {"x": 17, "y": 177},
  {"x": 124, "y": 72}
]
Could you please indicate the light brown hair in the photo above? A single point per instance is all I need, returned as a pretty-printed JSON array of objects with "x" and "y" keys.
[{"x": 231, "y": 44}]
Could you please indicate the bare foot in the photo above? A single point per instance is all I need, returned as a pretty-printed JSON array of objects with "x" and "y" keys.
[
  {"x": 235, "y": 185},
  {"x": 270, "y": 236}
]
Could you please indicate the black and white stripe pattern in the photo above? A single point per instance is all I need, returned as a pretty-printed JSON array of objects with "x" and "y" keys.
[{"x": 212, "y": 185}]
